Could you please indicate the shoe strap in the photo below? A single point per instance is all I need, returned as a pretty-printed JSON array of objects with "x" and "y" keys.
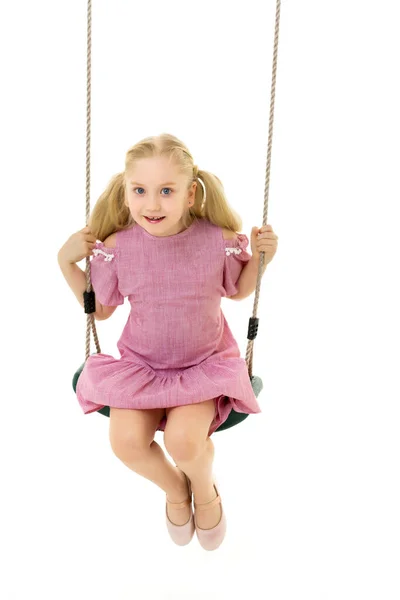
[
  {"x": 178, "y": 505},
  {"x": 187, "y": 502},
  {"x": 208, "y": 505}
]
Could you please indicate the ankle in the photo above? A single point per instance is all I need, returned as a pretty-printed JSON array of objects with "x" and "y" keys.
[
  {"x": 179, "y": 492},
  {"x": 204, "y": 494}
]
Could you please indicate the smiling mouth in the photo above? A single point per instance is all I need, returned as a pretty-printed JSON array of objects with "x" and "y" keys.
[{"x": 154, "y": 219}]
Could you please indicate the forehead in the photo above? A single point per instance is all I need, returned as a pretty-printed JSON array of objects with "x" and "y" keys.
[{"x": 154, "y": 171}]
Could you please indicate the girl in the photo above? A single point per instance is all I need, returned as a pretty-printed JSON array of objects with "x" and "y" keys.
[{"x": 171, "y": 247}]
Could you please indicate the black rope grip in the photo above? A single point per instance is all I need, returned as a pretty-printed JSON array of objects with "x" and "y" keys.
[
  {"x": 253, "y": 328},
  {"x": 89, "y": 302}
]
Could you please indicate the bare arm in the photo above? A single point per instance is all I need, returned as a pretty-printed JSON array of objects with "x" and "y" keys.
[
  {"x": 76, "y": 279},
  {"x": 248, "y": 279}
]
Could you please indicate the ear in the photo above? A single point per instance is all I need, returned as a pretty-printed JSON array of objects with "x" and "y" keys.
[{"x": 192, "y": 191}]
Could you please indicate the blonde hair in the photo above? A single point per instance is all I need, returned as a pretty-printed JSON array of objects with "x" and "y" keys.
[{"x": 110, "y": 213}]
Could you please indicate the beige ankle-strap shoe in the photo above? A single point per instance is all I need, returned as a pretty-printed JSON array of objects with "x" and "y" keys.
[
  {"x": 211, "y": 539},
  {"x": 181, "y": 534}
]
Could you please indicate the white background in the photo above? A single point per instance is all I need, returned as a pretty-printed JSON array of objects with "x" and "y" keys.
[{"x": 311, "y": 485}]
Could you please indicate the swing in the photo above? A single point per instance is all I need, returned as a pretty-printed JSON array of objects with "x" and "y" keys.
[{"x": 234, "y": 417}]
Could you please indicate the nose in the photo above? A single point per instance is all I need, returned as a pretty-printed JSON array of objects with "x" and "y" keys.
[{"x": 153, "y": 203}]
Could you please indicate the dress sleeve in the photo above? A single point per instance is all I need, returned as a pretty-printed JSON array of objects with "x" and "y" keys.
[
  {"x": 236, "y": 257},
  {"x": 104, "y": 275}
]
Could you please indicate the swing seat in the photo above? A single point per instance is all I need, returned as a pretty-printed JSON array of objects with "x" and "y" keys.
[{"x": 234, "y": 417}]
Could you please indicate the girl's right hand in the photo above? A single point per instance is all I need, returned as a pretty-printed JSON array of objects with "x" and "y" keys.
[{"x": 77, "y": 247}]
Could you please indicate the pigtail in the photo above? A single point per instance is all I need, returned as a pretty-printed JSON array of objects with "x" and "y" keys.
[
  {"x": 110, "y": 214},
  {"x": 212, "y": 204}
]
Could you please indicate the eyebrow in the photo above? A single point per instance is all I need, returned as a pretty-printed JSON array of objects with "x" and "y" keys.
[{"x": 142, "y": 184}]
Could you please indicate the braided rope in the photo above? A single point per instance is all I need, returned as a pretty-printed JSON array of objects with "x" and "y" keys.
[
  {"x": 90, "y": 322},
  {"x": 250, "y": 345}
]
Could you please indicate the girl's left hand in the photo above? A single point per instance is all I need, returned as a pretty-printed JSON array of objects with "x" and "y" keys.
[{"x": 264, "y": 240}]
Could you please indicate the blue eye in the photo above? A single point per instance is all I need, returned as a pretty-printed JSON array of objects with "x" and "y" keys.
[{"x": 140, "y": 188}]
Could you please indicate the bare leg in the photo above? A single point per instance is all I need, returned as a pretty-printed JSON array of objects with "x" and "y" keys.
[
  {"x": 132, "y": 440},
  {"x": 152, "y": 464},
  {"x": 199, "y": 471}
]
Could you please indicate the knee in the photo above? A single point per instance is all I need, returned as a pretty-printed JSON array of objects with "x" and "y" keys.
[
  {"x": 182, "y": 447},
  {"x": 128, "y": 447}
]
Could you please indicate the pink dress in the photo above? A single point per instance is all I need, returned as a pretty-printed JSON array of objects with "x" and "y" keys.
[{"x": 176, "y": 348}]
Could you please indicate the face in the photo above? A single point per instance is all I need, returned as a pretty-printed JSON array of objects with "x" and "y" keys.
[{"x": 154, "y": 188}]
